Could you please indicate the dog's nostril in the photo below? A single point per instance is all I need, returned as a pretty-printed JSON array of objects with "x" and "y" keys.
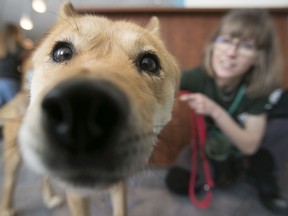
[
  {"x": 93, "y": 123},
  {"x": 56, "y": 109},
  {"x": 104, "y": 115}
]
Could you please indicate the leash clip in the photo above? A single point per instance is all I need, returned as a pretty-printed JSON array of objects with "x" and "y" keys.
[{"x": 207, "y": 187}]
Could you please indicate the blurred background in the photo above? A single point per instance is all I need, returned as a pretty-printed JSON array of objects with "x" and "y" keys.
[
  {"x": 185, "y": 27},
  {"x": 13, "y": 10},
  {"x": 184, "y": 23}
]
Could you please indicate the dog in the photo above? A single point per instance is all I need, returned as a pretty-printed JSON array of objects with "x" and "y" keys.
[
  {"x": 101, "y": 92},
  {"x": 11, "y": 115}
]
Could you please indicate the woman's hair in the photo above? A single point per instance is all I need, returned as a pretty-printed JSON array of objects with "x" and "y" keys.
[
  {"x": 254, "y": 24},
  {"x": 10, "y": 38}
]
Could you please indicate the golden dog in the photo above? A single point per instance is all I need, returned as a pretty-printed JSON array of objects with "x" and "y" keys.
[
  {"x": 10, "y": 119},
  {"x": 100, "y": 94}
]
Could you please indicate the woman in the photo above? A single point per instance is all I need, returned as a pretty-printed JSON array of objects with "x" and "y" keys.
[
  {"x": 10, "y": 61},
  {"x": 241, "y": 68}
]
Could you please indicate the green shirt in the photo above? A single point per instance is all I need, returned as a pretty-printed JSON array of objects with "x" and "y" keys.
[{"x": 197, "y": 80}]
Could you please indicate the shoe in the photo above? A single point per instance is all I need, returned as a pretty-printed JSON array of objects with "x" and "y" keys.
[
  {"x": 275, "y": 203},
  {"x": 261, "y": 177},
  {"x": 178, "y": 180},
  {"x": 270, "y": 197}
]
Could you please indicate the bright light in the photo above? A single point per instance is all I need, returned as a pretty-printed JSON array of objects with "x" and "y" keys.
[
  {"x": 39, "y": 6},
  {"x": 26, "y": 23}
]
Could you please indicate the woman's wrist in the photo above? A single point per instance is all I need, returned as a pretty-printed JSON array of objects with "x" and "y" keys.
[{"x": 217, "y": 112}]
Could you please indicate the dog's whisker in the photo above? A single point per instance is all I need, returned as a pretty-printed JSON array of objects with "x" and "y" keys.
[
  {"x": 138, "y": 137},
  {"x": 10, "y": 147},
  {"x": 3, "y": 119},
  {"x": 74, "y": 23},
  {"x": 172, "y": 126}
]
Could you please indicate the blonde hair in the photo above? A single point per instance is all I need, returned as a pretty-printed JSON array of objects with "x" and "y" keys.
[
  {"x": 254, "y": 24},
  {"x": 10, "y": 38}
]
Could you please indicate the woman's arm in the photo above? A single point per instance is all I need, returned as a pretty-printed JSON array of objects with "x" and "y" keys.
[{"x": 246, "y": 139}]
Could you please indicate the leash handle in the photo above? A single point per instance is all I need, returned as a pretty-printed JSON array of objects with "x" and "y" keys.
[{"x": 199, "y": 135}]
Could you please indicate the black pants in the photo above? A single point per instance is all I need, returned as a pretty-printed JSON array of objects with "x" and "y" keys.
[
  {"x": 259, "y": 168},
  {"x": 261, "y": 172}
]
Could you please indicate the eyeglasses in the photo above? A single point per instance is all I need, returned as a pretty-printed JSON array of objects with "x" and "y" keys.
[{"x": 243, "y": 48}]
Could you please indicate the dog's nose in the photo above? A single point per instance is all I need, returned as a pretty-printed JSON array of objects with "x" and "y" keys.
[{"x": 83, "y": 115}]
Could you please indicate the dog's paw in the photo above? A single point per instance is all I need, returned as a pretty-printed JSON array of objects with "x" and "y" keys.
[
  {"x": 7, "y": 212},
  {"x": 53, "y": 202}
]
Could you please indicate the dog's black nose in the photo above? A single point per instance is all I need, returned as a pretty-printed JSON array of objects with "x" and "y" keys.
[{"x": 83, "y": 115}]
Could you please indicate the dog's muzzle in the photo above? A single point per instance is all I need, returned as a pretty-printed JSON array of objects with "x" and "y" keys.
[{"x": 86, "y": 124}]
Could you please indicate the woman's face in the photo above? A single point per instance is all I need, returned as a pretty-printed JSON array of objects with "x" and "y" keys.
[{"x": 232, "y": 57}]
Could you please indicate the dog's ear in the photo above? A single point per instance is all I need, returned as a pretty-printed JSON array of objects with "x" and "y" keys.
[
  {"x": 154, "y": 26},
  {"x": 67, "y": 10}
]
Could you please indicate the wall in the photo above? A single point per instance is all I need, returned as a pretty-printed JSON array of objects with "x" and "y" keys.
[
  {"x": 184, "y": 3},
  {"x": 235, "y": 3},
  {"x": 185, "y": 32}
]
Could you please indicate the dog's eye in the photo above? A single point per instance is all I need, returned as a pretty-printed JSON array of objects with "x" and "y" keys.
[
  {"x": 149, "y": 62},
  {"x": 62, "y": 52}
]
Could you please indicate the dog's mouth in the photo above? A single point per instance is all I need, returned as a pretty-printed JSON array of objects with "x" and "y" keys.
[
  {"x": 88, "y": 180},
  {"x": 98, "y": 169}
]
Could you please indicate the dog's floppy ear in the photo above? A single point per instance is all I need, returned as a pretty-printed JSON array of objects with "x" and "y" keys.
[
  {"x": 67, "y": 10},
  {"x": 154, "y": 26}
]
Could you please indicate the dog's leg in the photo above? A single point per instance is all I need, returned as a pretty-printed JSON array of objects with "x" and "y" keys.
[
  {"x": 11, "y": 165},
  {"x": 118, "y": 198},
  {"x": 50, "y": 200},
  {"x": 78, "y": 206}
]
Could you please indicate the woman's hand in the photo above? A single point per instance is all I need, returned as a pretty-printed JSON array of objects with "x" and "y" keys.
[
  {"x": 246, "y": 139},
  {"x": 200, "y": 103}
]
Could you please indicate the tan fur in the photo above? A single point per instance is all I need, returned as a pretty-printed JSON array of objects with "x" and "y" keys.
[
  {"x": 11, "y": 152},
  {"x": 11, "y": 115},
  {"x": 109, "y": 51}
]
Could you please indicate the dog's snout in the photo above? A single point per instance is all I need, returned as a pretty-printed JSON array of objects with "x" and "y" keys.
[{"x": 84, "y": 115}]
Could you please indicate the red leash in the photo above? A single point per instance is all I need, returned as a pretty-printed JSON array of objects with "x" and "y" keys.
[{"x": 198, "y": 148}]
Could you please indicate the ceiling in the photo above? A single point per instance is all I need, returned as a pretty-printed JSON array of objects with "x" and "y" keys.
[{"x": 12, "y": 10}]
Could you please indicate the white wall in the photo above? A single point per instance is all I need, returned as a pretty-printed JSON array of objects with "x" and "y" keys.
[
  {"x": 235, "y": 3},
  {"x": 11, "y": 10},
  {"x": 186, "y": 3}
]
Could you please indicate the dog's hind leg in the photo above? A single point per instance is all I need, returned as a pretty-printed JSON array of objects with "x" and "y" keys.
[
  {"x": 118, "y": 198},
  {"x": 50, "y": 200},
  {"x": 11, "y": 165},
  {"x": 78, "y": 206}
]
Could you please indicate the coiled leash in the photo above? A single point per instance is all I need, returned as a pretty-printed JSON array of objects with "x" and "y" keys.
[
  {"x": 198, "y": 127},
  {"x": 199, "y": 136},
  {"x": 198, "y": 150}
]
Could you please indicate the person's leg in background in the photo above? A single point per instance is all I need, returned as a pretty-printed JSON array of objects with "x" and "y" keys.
[
  {"x": 261, "y": 173},
  {"x": 9, "y": 87},
  {"x": 178, "y": 176}
]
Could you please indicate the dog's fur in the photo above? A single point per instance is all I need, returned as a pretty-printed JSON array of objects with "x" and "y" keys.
[
  {"x": 10, "y": 118},
  {"x": 100, "y": 94},
  {"x": 11, "y": 115}
]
